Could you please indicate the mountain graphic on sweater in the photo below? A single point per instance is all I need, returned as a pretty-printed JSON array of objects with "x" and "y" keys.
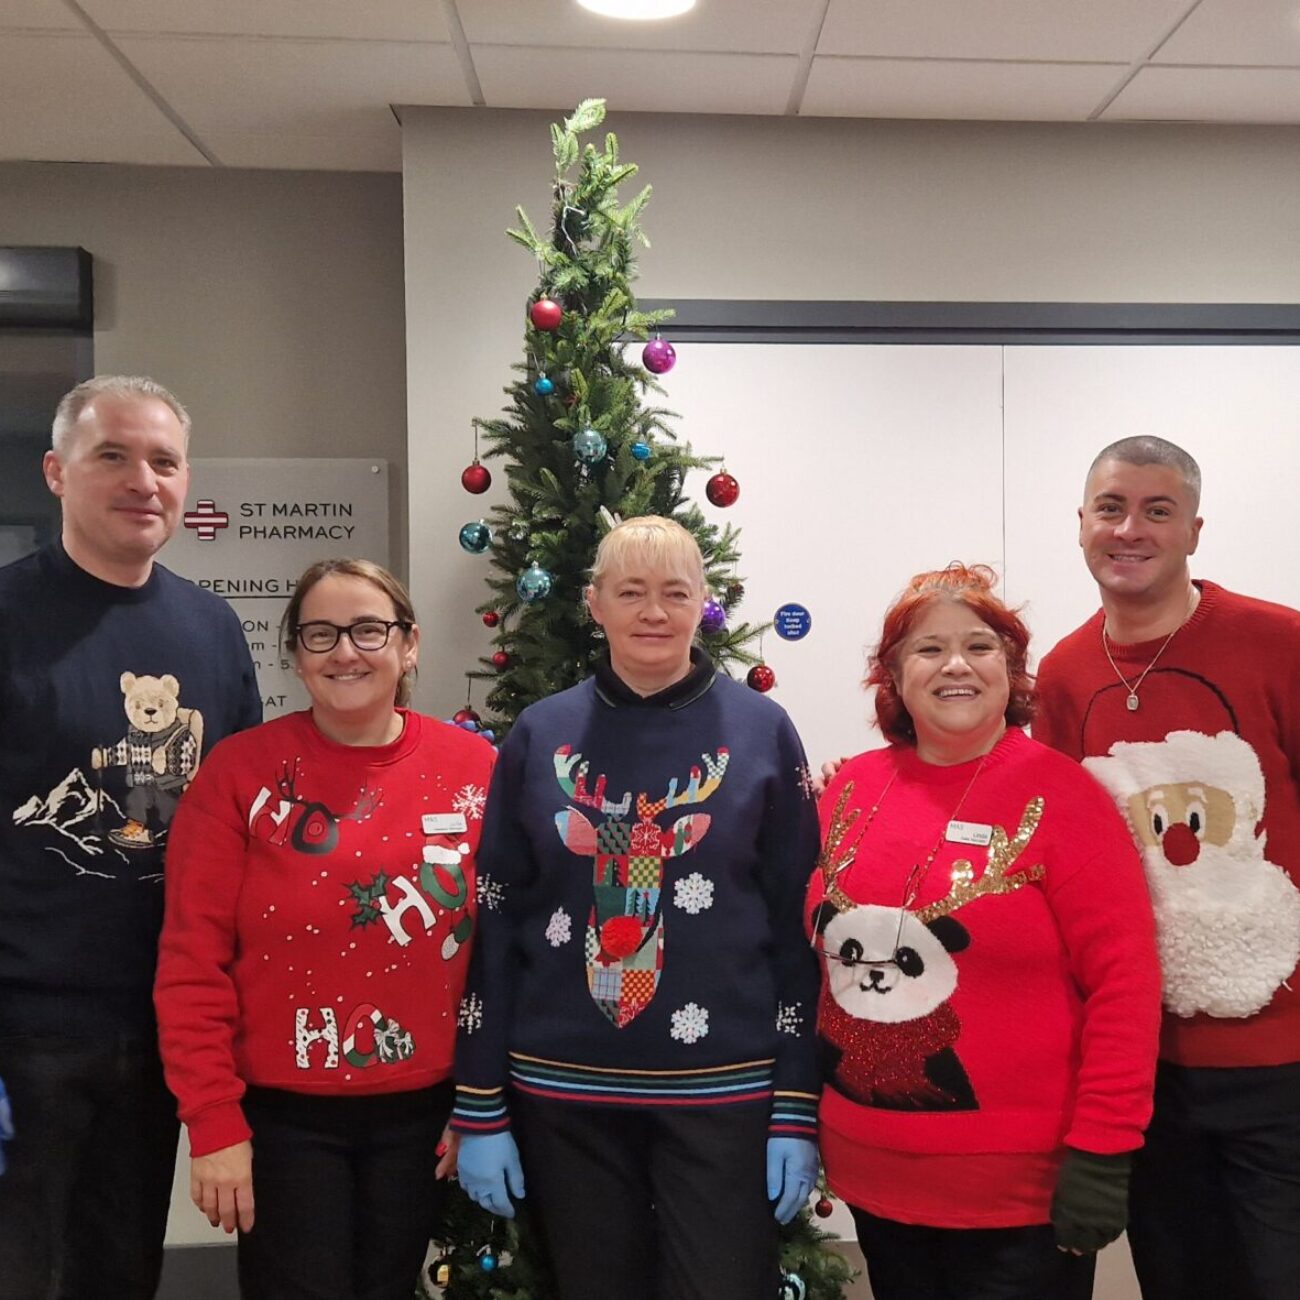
[{"x": 70, "y": 808}]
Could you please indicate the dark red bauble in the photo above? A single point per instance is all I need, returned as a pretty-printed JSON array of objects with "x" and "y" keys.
[
  {"x": 823, "y": 1209},
  {"x": 476, "y": 478},
  {"x": 761, "y": 678},
  {"x": 491, "y": 618},
  {"x": 546, "y": 314},
  {"x": 465, "y": 715},
  {"x": 722, "y": 489},
  {"x": 500, "y": 659}
]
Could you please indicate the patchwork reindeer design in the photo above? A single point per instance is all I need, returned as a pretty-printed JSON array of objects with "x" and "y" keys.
[{"x": 625, "y": 931}]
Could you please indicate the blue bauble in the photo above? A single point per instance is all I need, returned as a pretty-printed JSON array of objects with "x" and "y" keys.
[
  {"x": 543, "y": 386},
  {"x": 476, "y": 537},
  {"x": 589, "y": 446},
  {"x": 487, "y": 1262},
  {"x": 533, "y": 584},
  {"x": 488, "y": 734},
  {"x": 714, "y": 617},
  {"x": 641, "y": 449}
]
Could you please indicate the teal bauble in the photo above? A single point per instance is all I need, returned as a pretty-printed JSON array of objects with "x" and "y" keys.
[
  {"x": 476, "y": 537},
  {"x": 534, "y": 584},
  {"x": 641, "y": 449},
  {"x": 589, "y": 446},
  {"x": 543, "y": 386}
]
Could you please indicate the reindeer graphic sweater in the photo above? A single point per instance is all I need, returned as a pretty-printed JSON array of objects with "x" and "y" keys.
[
  {"x": 1008, "y": 1024},
  {"x": 320, "y": 907},
  {"x": 641, "y": 874}
]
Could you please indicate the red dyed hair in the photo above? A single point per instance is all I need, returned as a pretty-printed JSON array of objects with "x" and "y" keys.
[{"x": 970, "y": 586}]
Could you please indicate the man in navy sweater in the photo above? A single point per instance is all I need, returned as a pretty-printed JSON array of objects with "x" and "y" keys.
[{"x": 116, "y": 676}]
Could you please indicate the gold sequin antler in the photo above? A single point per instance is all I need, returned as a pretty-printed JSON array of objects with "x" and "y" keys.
[
  {"x": 831, "y": 861},
  {"x": 1002, "y": 854}
]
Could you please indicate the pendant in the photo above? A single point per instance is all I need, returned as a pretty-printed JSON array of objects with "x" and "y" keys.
[{"x": 1132, "y": 701}]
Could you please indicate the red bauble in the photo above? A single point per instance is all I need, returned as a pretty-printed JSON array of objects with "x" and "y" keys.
[
  {"x": 620, "y": 936},
  {"x": 722, "y": 489},
  {"x": 500, "y": 659},
  {"x": 465, "y": 715},
  {"x": 822, "y": 1209},
  {"x": 761, "y": 678},
  {"x": 546, "y": 314},
  {"x": 475, "y": 478},
  {"x": 491, "y": 618}
]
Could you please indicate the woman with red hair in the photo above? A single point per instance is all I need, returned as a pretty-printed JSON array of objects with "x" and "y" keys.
[{"x": 991, "y": 997}]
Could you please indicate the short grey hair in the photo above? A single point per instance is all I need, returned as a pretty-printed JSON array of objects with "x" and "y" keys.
[
  {"x": 1147, "y": 449},
  {"x": 73, "y": 403}
]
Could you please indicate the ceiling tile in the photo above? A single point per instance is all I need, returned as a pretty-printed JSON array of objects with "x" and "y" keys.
[
  {"x": 1116, "y": 31},
  {"x": 40, "y": 15},
  {"x": 377, "y": 20},
  {"x": 1228, "y": 31},
  {"x": 302, "y": 88},
  {"x": 374, "y": 150},
  {"x": 722, "y": 26},
  {"x": 1209, "y": 95},
  {"x": 513, "y": 77},
  {"x": 63, "y": 99},
  {"x": 1049, "y": 92}
]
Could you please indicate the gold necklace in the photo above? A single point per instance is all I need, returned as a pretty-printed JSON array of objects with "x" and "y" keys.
[{"x": 1132, "y": 702}]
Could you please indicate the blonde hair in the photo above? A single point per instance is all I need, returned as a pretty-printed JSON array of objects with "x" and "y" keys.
[
  {"x": 367, "y": 571},
  {"x": 73, "y": 403},
  {"x": 653, "y": 540}
]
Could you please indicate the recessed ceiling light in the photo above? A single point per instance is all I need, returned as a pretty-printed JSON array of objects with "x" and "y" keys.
[{"x": 638, "y": 10}]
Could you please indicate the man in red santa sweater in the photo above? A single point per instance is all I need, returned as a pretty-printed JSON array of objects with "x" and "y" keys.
[{"x": 1184, "y": 700}]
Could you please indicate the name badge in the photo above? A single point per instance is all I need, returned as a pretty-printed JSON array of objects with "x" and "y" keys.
[
  {"x": 969, "y": 833},
  {"x": 450, "y": 824}
]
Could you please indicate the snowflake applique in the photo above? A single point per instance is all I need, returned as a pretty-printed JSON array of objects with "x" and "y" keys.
[
  {"x": 789, "y": 1017},
  {"x": 693, "y": 893},
  {"x": 470, "y": 801},
  {"x": 392, "y": 1042},
  {"x": 367, "y": 898},
  {"x": 690, "y": 1024},
  {"x": 491, "y": 893},
  {"x": 470, "y": 1015},
  {"x": 559, "y": 929},
  {"x": 807, "y": 783}
]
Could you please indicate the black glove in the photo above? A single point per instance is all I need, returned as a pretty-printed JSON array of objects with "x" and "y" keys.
[{"x": 1090, "y": 1206}]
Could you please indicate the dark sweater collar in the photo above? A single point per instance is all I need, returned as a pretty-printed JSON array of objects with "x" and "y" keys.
[{"x": 614, "y": 691}]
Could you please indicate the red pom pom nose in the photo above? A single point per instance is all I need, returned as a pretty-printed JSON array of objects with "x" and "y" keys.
[{"x": 1180, "y": 845}]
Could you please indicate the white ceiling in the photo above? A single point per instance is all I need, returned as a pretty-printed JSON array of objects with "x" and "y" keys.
[{"x": 316, "y": 83}]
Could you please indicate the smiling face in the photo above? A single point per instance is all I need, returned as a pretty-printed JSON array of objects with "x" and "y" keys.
[
  {"x": 649, "y": 615},
  {"x": 1137, "y": 527},
  {"x": 951, "y": 675},
  {"x": 122, "y": 481},
  {"x": 350, "y": 688}
]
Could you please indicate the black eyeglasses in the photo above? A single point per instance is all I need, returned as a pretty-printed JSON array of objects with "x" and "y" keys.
[
  {"x": 851, "y": 954},
  {"x": 320, "y": 638}
]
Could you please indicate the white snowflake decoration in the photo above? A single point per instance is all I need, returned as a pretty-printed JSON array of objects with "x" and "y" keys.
[
  {"x": 470, "y": 1015},
  {"x": 559, "y": 929},
  {"x": 690, "y": 1024},
  {"x": 806, "y": 781},
  {"x": 491, "y": 893},
  {"x": 693, "y": 893},
  {"x": 789, "y": 1017},
  {"x": 470, "y": 801}
]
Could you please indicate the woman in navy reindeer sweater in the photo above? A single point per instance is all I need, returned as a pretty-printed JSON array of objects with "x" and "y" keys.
[{"x": 641, "y": 1004}]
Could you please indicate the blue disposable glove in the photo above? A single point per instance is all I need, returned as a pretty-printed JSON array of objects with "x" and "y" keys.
[
  {"x": 6, "y": 1124},
  {"x": 488, "y": 1165},
  {"x": 791, "y": 1174}
]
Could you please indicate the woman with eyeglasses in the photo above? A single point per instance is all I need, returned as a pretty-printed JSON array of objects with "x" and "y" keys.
[
  {"x": 320, "y": 899},
  {"x": 991, "y": 995}
]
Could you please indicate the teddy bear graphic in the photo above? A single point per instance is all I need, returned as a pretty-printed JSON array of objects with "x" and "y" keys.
[{"x": 160, "y": 753}]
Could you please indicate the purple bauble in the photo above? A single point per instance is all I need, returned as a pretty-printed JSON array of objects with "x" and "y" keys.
[
  {"x": 659, "y": 356},
  {"x": 713, "y": 619}
]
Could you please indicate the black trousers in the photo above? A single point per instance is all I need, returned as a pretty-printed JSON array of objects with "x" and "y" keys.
[
  {"x": 906, "y": 1261},
  {"x": 666, "y": 1204},
  {"x": 344, "y": 1193},
  {"x": 83, "y": 1204},
  {"x": 1215, "y": 1200}
]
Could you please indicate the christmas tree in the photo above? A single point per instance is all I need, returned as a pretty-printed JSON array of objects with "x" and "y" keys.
[
  {"x": 582, "y": 445},
  {"x": 582, "y": 448}
]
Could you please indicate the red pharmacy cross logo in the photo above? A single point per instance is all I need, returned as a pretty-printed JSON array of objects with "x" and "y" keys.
[{"x": 205, "y": 519}]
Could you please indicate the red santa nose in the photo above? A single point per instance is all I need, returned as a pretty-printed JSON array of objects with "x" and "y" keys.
[{"x": 1180, "y": 845}]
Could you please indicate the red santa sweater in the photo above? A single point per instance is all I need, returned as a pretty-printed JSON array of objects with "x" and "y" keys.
[
  {"x": 1205, "y": 769},
  {"x": 320, "y": 899},
  {"x": 1010, "y": 1023}
]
